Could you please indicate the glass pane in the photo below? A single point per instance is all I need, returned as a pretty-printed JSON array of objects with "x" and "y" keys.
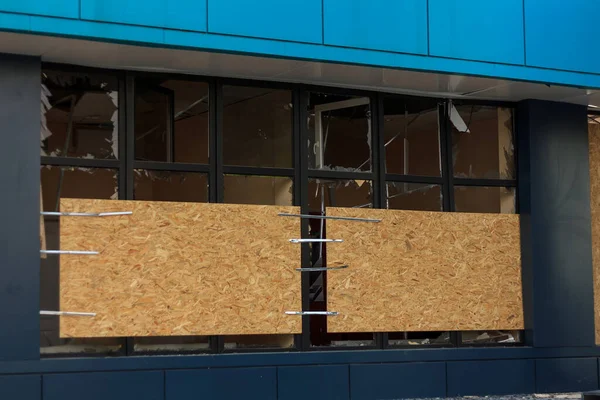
[
  {"x": 339, "y": 133},
  {"x": 171, "y": 344},
  {"x": 479, "y": 199},
  {"x": 418, "y": 338},
  {"x": 257, "y": 127},
  {"x": 253, "y": 189},
  {"x": 414, "y": 196},
  {"x": 482, "y": 139},
  {"x": 259, "y": 342},
  {"x": 87, "y": 183},
  {"x": 339, "y": 193},
  {"x": 81, "y": 115},
  {"x": 482, "y": 337},
  {"x": 170, "y": 186},
  {"x": 411, "y": 134},
  {"x": 171, "y": 121}
]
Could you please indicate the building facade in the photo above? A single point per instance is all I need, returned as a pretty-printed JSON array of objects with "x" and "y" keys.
[{"x": 471, "y": 125}]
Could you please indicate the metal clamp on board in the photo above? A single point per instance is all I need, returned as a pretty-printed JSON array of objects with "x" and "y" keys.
[
  {"x": 315, "y": 269},
  {"x": 328, "y": 313},
  {"x": 316, "y": 240},
  {"x": 68, "y": 313},
  {"x": 80, "y": 252},
  {"x": 309, "y": 216},
  {"x": 80, "y": 214}
]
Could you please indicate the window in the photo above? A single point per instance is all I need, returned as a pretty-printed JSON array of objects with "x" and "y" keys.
[{"x": 220, "y": 140}]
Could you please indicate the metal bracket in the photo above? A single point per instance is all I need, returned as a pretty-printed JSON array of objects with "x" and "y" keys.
[
  {"x": 78, "y": 214},
  {"x": 82, "y": 252},
  {"x": 321, "y": 268},
  {"x": 316, "y": 240},
  {"x": 69, "y": 313},
  {"x": 308, "y": 216},
  {"x": 328, "y": 313}
]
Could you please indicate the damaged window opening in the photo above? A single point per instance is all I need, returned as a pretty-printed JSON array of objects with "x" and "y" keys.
[
  {"x": 413, "y": 196},
  {"x": 170, "y": 186},
  {"x": 481, "y": 199},
  {"x": 339, "y": 133},
  {"x": 80, "y": 114},
  {"x": 474, "y": 338},
  {"x": 255, "y": 189}
]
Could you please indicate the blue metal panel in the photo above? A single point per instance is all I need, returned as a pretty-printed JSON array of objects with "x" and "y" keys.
[
  {"x": 21, "y": 387},
  {"x": 490, "y": 30},
  {"x": 291, "y": 20},
  {"x": 175, "y": 14},
  {"x": 19, "y": 232},
  {"x": 554, "y": 200},
  {"x": 561, "y": 34},
  {"x": 15, "y": 21},
  {"x": 56, "y": 8},
  {"x": 393, "y": 25},
  {"x": 97, "y": 30},
  {"x": 222, "y": 384},
  {"x": 473, "y": 378},
  {"x": 566, "y": 375},
  {"x": 396, "y": 381},
  {"x": 147, "y": 385},
  {"x": 299, "y": 383}
]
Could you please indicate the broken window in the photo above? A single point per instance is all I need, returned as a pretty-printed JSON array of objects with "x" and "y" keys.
[
  {"x": 171, "y": 121},
  {"x": 486, "y": 337},
  {"x": 404, "y": 339},
  {"x": 170, "y": 186},
  {"x": 80, "y": 113},
  {"x": 482, "y": 199},
  {"x": 235, "y": 342},
  {"x": 181, "y": 344},
  {"x": 482, "y": 142},
  {"x": 413, "y": 196},
  {"x": 412, "y": 136},
  {"x": 257, "y": 127},
  {"x": 60, "y": 182},
  {"x": 255, "y": 189},
  {"x": 339, "y": 133}
]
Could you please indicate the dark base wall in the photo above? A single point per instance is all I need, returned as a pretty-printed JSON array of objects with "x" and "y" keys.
[{"x": 315, "y": 382}]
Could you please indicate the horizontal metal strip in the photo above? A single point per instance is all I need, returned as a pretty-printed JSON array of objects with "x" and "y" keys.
[
  {"x": 267, "y": 171},
  {"x": 79, "y": 162},
  {"x": 175, "y": 167}
]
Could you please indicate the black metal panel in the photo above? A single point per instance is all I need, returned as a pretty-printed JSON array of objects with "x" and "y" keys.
[
  {"x": 222, "y": 384},
  {"x": 556, "y": 375},
  {"x": 554, "y": 188},
  {"x": 20, "y": 85},
  {"x": 319, "y": 382},
  {"x": 22, "y": 387},
  {"x": 476, "y": 378},
  {"x": 397, "y": 381}
]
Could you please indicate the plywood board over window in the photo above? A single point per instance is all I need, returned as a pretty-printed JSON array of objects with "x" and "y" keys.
[
  {"x": 594, "y": 140},
  {"x": 179, "y": 269},
  {"x": 424, "y": 271}
]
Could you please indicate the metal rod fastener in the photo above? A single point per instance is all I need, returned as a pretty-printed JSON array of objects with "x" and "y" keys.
[
  {"x": 308, "y": 216},
  {"x": 316, "y": 240},
  {"x": 78, "y": 214},
  {"x": 70, "y": 313},
  {"x": 311, "y": 312},
  {"x": 313, "y": 269},
  {"x": 82, "y": 252}
]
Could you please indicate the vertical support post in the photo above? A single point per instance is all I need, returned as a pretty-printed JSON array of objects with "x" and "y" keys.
[
  {"x": 20, "y": 81},
  {"x": 554, "y": 203}
]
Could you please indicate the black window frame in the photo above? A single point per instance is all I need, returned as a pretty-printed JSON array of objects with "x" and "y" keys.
[{"x": 299, "y": 173}]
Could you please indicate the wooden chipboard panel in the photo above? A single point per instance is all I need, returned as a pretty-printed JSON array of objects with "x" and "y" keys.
[
  {"x": 179, "y": 269},
  {"x": 594, "y": 144},
  {"x": 424, "y": 271}
]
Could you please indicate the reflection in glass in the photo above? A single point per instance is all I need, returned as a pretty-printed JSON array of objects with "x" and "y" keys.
[
  {"x": 171, "y": 121},
  {"x": 482, "y": 139},
  {"x": 339, "y": 133},
  {"x": 170, "y": 186},
  {"x": 254, "y": 189},
  {"x": 84, "y": 183},
  {"x": 480, "y": 199},
  {"x": 81, "y": 115},
  {"x": 414, "y": 196},
  {"x": 411, "y": 136},
  {"x": 257, "y": 127}
]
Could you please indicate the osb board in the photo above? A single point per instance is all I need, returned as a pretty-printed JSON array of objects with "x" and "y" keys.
[
  {"x": 594, "y": 140},
  {"x": 179, "y": 269},
  {"x": 424, "y": 271}
]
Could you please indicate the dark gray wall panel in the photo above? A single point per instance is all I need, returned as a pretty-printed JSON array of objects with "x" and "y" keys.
[
  {"x": 20, "y": 387},
  {"x": 477, "y": 378},
  {"x": 556, "y": 375},
  {"x": 313, "y": 382}
]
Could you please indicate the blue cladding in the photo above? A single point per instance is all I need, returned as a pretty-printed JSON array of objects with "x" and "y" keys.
[
  {"x": 146, "y": 385},
  {"x": 477, "y": 378},
  {"x": 397, "y": 381},
  {"x": 175, "y": 14},
  {"x": 20, "y": 387},
  {"x": 222, "y": 384},
  {"x": 556, "y": 375},
  {"x": 490, "y": 30},
  {"x": 291, "y": 20},
  {"x": 392, "y": 25},
  {"x": 54, "y": 8},
  {"x": 561, "y": 34},
  {"x": 326, "y": 383}
]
